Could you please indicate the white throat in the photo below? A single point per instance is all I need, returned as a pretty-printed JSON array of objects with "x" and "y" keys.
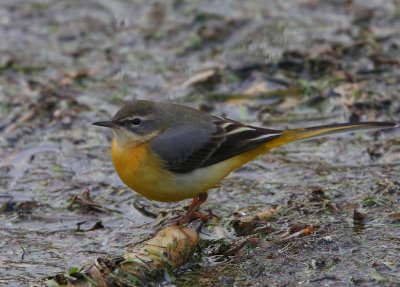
[{"x": 126, "y": 139}]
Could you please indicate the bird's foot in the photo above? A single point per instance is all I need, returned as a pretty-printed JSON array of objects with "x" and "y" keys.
[
  {"x": 192, "y": 213},
  {"x": 191, "y": 216}
]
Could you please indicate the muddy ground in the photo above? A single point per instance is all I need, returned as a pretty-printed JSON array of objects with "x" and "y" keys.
[{"x": 65, "y": 64}]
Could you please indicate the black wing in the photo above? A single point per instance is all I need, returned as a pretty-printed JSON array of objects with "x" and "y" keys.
[
  {"x": 188, "y": 149},
  {"x": 238, "y": 138}
]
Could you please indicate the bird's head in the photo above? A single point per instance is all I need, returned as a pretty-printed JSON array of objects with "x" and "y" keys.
[{"x": 137, "y": 122}]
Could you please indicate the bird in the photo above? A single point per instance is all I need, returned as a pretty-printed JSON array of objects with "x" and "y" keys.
[{"x": 170, "y": 152}]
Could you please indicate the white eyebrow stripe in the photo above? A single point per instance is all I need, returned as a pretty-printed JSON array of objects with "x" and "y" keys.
[
  {"x": 144, "y": 118},
  {"x": 264, "y": 137},
  {"x": 239, "y": 130}
]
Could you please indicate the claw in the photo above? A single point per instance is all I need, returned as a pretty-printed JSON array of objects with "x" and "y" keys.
[
  {"x": 192, "y": 213},
  {"x": 187, "y": 218}
]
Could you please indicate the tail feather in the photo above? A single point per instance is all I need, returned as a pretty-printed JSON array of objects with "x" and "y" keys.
[{"x": 326, "y": 130}]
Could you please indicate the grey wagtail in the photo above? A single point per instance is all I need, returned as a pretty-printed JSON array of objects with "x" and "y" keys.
[{"x": 169, "y": 152}]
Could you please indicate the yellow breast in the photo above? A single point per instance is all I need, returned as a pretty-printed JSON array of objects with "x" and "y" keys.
[{"x": 141, "y": 170}]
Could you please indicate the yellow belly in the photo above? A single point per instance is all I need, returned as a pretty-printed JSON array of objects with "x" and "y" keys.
[{"x": 143, "y": 172}]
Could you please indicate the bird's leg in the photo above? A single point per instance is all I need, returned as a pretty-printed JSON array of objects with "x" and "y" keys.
[{"x": 192, "y": 212}]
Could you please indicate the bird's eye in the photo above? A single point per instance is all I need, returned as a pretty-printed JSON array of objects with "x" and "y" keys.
[{"x": 136, "y": 121}]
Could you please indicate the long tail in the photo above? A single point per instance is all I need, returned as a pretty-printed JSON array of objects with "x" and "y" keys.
[{"x": 292, "y": 135}]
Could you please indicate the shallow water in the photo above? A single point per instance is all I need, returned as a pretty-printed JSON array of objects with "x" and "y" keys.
[{"x": 65, "y": 64}]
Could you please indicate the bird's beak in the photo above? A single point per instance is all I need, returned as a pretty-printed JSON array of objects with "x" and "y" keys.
[{"x": 108, "y": 124}]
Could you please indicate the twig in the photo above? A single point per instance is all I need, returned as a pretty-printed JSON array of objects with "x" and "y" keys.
[{"x": 23, "y": 250}]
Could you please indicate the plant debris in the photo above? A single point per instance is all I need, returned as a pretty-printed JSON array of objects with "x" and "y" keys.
[
  {"x": 141, "y": 264},
  {"x": 255, "y": 223}
]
